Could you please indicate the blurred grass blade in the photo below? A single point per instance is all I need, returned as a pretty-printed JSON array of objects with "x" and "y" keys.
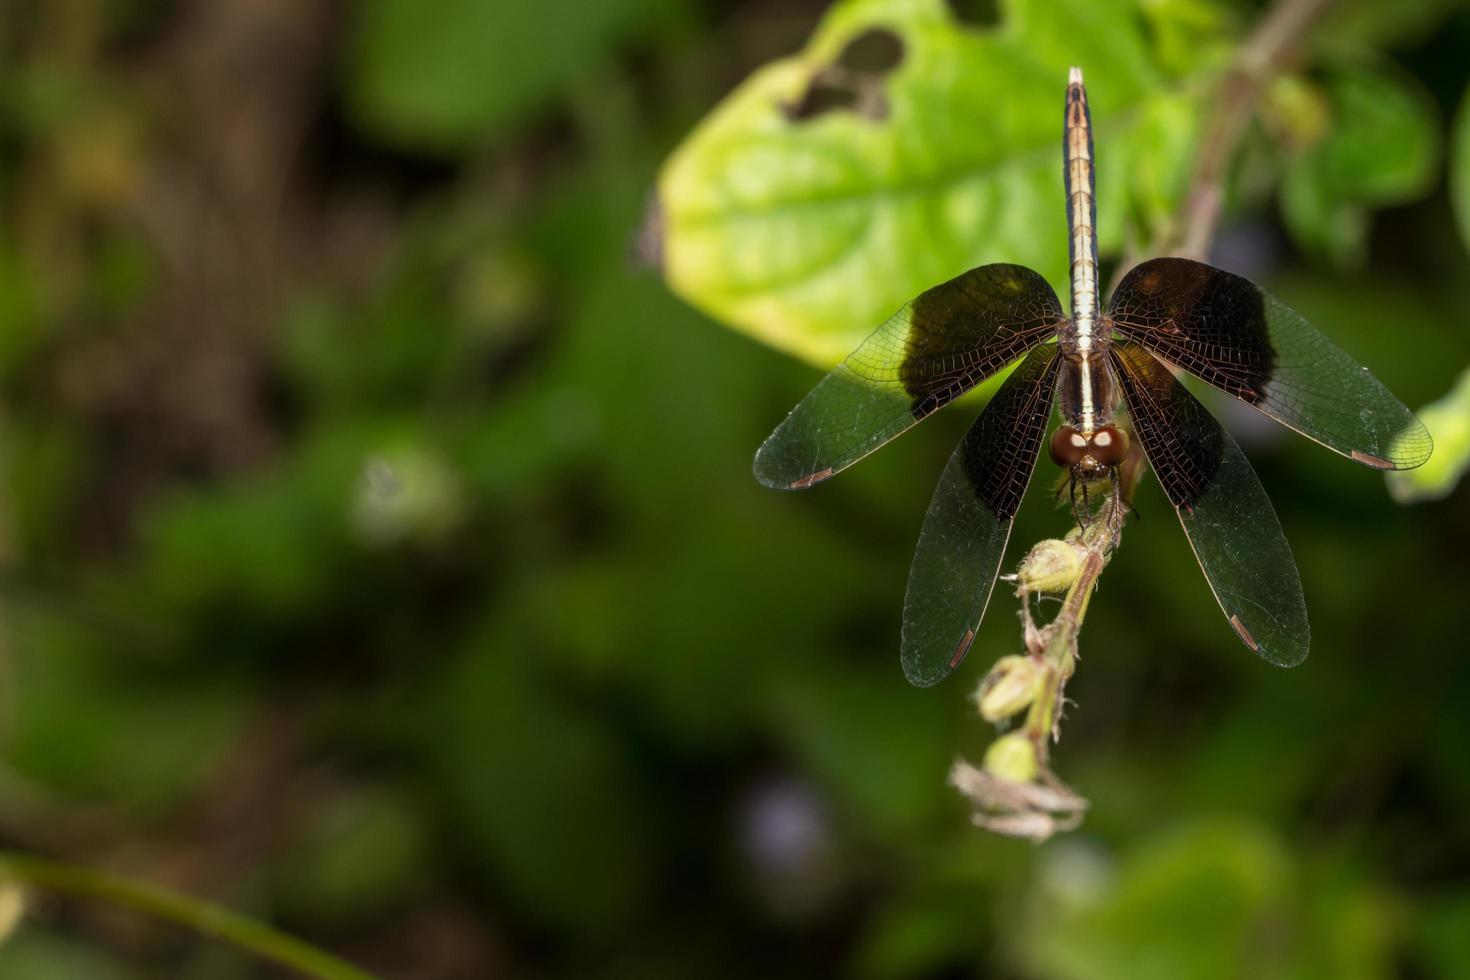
[{"x": 192, "y": 913}]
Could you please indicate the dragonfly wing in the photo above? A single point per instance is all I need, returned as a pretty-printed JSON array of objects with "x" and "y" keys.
[
  {"x": 969, "y": 521},
  {"x": 1230, "y": 333},
  {"x": 1225, "y": 511},
  {"x": 940, "y": 345}
]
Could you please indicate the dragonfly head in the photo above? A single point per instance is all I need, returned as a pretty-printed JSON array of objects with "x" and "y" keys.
[{"x": 1089, "y": 455}]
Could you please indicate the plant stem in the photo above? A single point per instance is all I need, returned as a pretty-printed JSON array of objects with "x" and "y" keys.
[
  {"x": 1060, "y": 651},
  {"x": 203, "y": 917},
  {"x": 1257, "y": 60}
]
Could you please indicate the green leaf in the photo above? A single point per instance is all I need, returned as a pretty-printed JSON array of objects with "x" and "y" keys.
[
  {"x": 547, "y": 791},
  {"x": 1460, "y": 168},
  {"x": 1401, "y": 24},
  {"x": 45, "y": 955},
  {"x": 1382, "y": 148},
  {"x": 824, "y": 193},
  {"x": 880, "y": 750},
  {"x": 1448, "y": 421},
  {"x": 1215, "y": 898},
  {"x": 98, "y": 727},
  {"x": 358, "y": 854},
  {"x": 1445, "y": 933},
  {"x": 1183, "y": 904},
  {"x": 1184, "y": 30},
  {"x": 441, "y": 74}
]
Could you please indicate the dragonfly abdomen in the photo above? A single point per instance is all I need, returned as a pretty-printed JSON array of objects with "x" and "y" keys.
[{"x": 1081, "y": 210}]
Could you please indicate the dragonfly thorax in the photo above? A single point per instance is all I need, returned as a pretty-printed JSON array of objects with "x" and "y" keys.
[{"x": 1087, "y": 394}]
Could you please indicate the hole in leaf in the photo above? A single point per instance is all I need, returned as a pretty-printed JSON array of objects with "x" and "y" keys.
[
  {"x": 854, "y": 82},
  {"x": 821, "y": 97},
  {"x": 976, "y": 13},
  {"x": 876, "y": 51}
]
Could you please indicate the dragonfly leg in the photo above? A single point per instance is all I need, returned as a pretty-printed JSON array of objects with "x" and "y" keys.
[{"x": 1120, "y": 507}]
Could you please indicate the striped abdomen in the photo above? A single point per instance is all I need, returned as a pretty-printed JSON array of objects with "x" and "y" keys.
[
  {"x": 1081, "y": 208},
  {"x": 1088, "y": 359}
]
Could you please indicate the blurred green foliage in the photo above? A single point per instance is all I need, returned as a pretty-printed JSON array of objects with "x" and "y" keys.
[
  {"x": 380, "y": 553},
  {"x": 1379, "y": 147},
  {"x": 443, "y": 76},
  {"x": 1459, "y": 176}
]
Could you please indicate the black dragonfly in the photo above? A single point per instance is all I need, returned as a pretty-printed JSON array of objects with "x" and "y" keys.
[{"x": 1167, "y": 314}]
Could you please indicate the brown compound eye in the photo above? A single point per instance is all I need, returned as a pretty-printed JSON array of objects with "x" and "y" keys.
[
  {"x": 1068, "y": 446},
  {"x": 1109, "y": 445}
]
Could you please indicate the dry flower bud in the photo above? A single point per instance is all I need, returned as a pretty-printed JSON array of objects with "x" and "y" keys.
[
  {"x": 1051, "y": 566},
  {"x": 1010, "y": 687}
]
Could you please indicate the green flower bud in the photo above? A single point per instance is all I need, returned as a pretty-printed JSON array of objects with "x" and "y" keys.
[
  {"x": 1012, "y": 758},
  {"x": 1010, "y": 687},
  {"x": 1051, "y": 566}
]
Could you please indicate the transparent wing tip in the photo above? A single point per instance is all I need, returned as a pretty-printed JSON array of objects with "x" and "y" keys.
[
  {"x": 1285, "y": 654},
  {"x": 924, "y": 665},
  {"x": 776, "y": 473},
  {"x": 1410, "y": 449}
]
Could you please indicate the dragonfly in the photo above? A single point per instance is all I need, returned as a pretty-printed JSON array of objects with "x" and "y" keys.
[{"x": 1166, "y": 316}]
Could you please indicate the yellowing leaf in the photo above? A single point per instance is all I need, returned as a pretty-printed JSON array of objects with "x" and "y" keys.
[
  {"x": 1448, "y": 421},
  {"x": 827, "y": 191}
]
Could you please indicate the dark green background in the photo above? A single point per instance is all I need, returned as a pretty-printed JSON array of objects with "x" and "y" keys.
[{"x": 379, "y": 552}]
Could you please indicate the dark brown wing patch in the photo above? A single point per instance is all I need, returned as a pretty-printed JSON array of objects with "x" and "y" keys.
[
  {"x": 1222, "y": 506},
  {"x": 936, "y": 348},
  {"x": 969, "y": 521},
  {"x": 999, "y": 452},
  {"x": 1232, "y": 334},
  {"x": 963, "y": 331},
  {"x": 1209, "y": 322},
  {"x": 1183, "y": 442}
]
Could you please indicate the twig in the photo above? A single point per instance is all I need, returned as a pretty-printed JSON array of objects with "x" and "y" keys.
[
  {"x": 1060, "y": 651},
  {"x": 203, "y": 917},
  {"x": 1278, "y": 33},
  {"x": 1015, "y": 793}
]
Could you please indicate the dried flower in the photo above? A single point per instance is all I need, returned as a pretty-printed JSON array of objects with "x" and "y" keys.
[
  {"x": 1033, "y": 810},
  {"x": 1051, "y": 566},
  {"x": 1010, "y": 687}
]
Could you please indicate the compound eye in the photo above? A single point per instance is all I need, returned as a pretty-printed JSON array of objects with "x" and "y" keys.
[
  {"x": 1109, "y": 445},
  {"x": 1068, "y": 446}
]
